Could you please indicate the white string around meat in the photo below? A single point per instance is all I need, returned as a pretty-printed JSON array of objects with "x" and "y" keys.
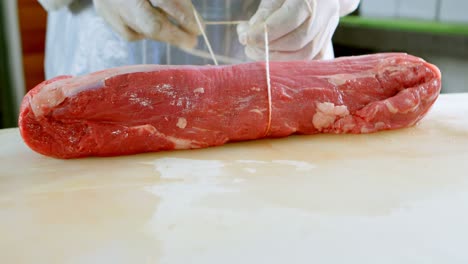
[
  {"x": 267, "y": 56},
  {"x": 232, "y": 61},
  {"x": 229, "y": 60},
  {"x": 267, "y": 69}
]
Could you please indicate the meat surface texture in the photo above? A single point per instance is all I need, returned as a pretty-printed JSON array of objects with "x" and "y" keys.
[{"x": 146, "y": 108}]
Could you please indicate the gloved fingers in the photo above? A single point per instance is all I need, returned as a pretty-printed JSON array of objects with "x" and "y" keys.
[
  {"x": 182, "y": 12},
  {"x": 254, "y": 53},
  {"x": 154, "y": 24},
  {"x": 348, "y": 6},
  {"x": 296, "y": 39},
  {"x": 326, "y": 53},
  {"x": 308, "y": 40},
  {"x": 287, "y": 18},
  {"x": 324, "y": 39},
  {"x": 242, "y": 29},
  {"x": 174, "y": 35},
  {"x": 258, "y": 54},
  {"x": 309, "y": 52},
  {"x": 127, "y": 33},
  {"x": 323, "y": 24},
  {"x": 265, "y": 9},
  {"x": 319, "y": 48},
  {"x": 117, "y": 23}
]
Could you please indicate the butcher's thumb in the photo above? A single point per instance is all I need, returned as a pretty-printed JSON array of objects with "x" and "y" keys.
[{"x": 242, "y": 30}]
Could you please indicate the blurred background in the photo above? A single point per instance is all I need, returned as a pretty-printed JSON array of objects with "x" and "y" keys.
[{"x": 436, "y": 30}]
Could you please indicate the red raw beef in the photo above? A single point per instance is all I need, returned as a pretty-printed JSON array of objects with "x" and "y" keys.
[{"x": 147, "y": 108}]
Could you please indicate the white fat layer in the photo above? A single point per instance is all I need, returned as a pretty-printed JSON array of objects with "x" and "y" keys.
[
  {"x": 181, "y": 123},
  {"x": 380, "y": 125},
  {"x": 365, "y": 130},
  {"x": 256, "y": 89},
  {"x": 200, "y": 90},
  {"x": 390, "y": 107},
  {"x": 327, "y": 113},
  {"x": 145, "y": 102},
  {"x": 257, "y": 111},
  {"x": 179, "y": 143},
  {"x": 166, "y": 89},
  {"x": 55, "y": 92},
  {"x": 340, "y": 79},
  {"x": 349, "y": 127},
  {"x": 146, "y": 128}
]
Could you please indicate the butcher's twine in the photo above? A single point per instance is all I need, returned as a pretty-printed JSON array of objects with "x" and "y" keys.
[
  {"x": 204, "y": 35},
  {"x": 267, "y": 56},
  {"x": 267, "y": 67},
  {"x": 310, "y": 7},
  {"x": 233, "y": 61}
]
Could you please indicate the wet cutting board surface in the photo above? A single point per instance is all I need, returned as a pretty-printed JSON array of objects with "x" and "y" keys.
[{"x": 392, "y": 197}]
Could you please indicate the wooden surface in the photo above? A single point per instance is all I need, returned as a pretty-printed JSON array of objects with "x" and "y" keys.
[
  {"x": 392, "y": 197},
  {"x": 32, "y": 20}
]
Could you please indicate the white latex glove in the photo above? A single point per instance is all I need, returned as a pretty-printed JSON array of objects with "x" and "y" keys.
[
  {"x": 51, "y": 5},
  {"x": 295, "y": 30},
  {"x": 169, "y": 21},
  {"x": 348, "y": 6}
]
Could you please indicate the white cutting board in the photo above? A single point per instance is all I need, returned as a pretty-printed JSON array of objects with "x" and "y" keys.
[{"x": 392, "y": 197}]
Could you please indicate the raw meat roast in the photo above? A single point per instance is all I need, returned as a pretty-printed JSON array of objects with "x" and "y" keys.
[{"x": 146, "y": 108}]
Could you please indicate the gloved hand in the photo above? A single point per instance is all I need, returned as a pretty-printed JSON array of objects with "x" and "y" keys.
[
  {"x": 296, "y": 30},
  {"x": 348, "y": 6},
  {"x": 51, "y": 5},
  {"x": 171, "y": 21}
]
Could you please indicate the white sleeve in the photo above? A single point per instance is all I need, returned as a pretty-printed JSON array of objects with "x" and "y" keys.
[
  {"x": 348, "y": 6},
  {"x": 52, "y": 5}
]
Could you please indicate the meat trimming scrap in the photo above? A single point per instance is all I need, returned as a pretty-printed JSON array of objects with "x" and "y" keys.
[{"x": 147, "y": 108}]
